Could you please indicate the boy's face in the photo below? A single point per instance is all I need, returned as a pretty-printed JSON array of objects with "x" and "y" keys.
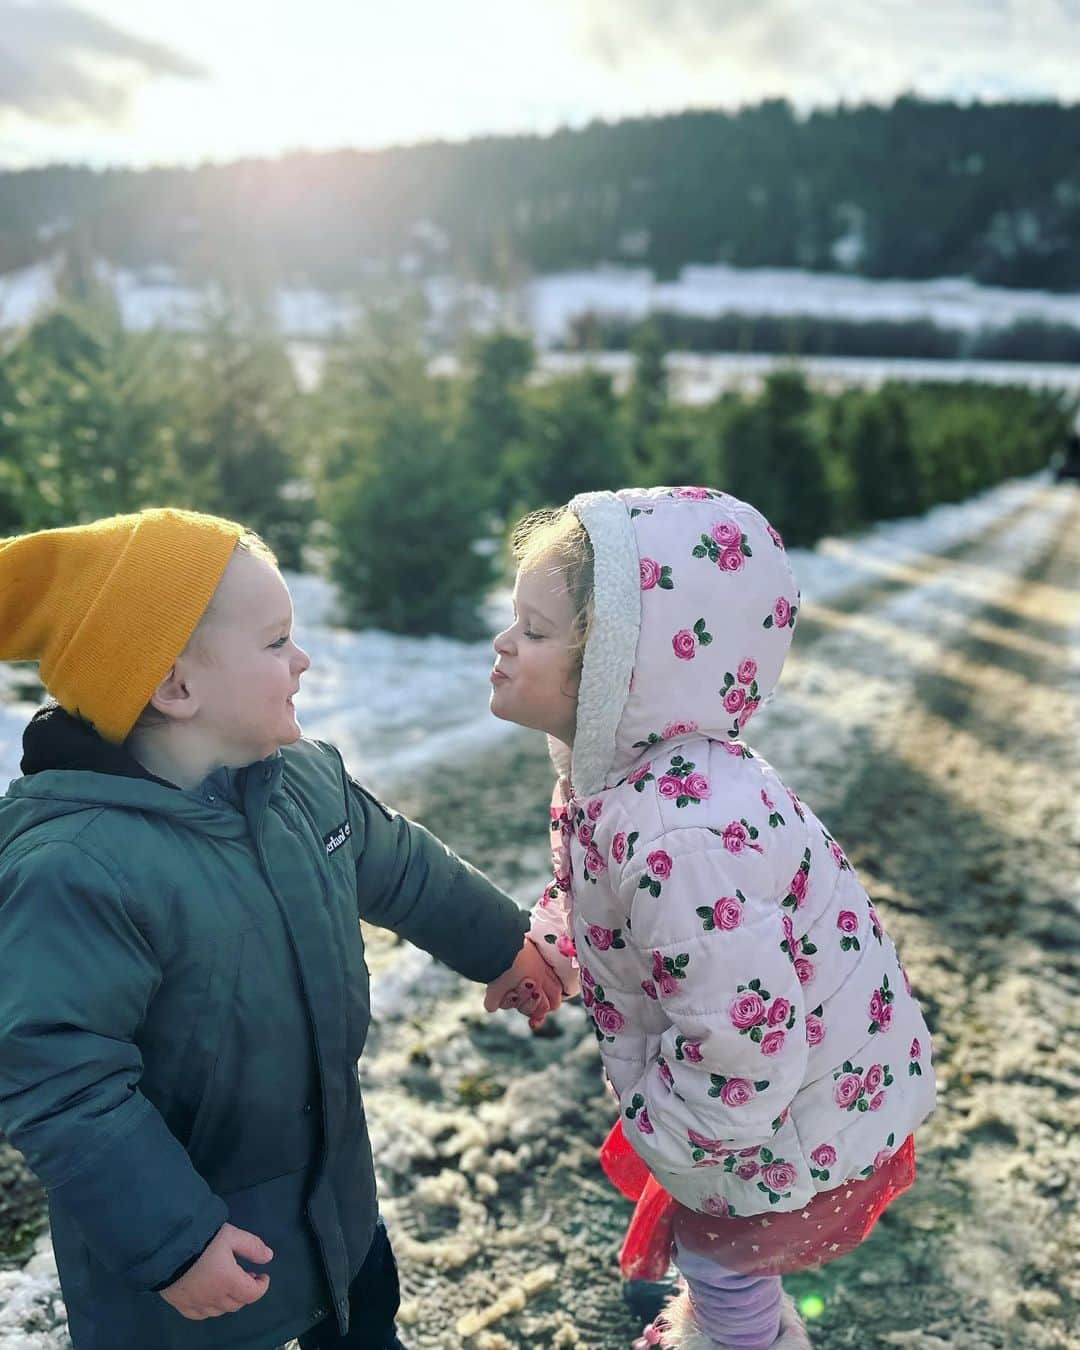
[
  {"x": 244, "y": 667},
  {"x": 534, "y": 682}
]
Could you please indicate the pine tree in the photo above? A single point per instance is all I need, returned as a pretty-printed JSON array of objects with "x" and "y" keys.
[
  {"x": 409, "y": 541},
  {"x": 87, "y": 424},
  {"x": 12, "y": 472},
  {"x": 494, "y": 412},
  {"x": 575, "y": 442},
  {"x": 647, "y": 402},
  {"x": 235, "y": 395},
  {"x": 775, "y": 459},
  {"x": 882, "y": 456}
]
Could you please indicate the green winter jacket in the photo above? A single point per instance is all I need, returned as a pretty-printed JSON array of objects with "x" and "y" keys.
[{"x": 183, "y": 1001}]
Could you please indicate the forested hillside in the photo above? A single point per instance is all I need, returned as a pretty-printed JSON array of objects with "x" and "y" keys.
[{"x": 917, "y": 189}]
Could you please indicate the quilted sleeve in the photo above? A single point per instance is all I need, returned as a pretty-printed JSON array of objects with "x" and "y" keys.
[{"x": 550, "y": 927}]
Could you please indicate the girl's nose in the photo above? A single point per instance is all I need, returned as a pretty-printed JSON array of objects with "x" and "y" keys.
[{"x": 501, "y": 642}]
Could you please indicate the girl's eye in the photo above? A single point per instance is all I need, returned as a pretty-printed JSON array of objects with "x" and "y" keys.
[{"x": 536, "y": 637}]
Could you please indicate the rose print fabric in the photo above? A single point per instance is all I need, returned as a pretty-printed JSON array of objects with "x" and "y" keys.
[
  {"x": 550, "y": 928},
  {"x": 752, "y": 1014},
  {"x": 831, "y": 1224}
]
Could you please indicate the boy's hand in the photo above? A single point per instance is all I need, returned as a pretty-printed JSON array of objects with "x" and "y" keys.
[
  {"x": 217, "y": 1283},
  {"x": 530, "y": 986}
]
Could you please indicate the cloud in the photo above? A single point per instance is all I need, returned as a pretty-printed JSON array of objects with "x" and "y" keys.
[
  {"x": 59, "y": 63},
  {"x": 867, "y": 49}
]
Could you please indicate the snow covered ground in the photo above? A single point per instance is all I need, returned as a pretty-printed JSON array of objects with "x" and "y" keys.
[{"x": 397, "y": 705}]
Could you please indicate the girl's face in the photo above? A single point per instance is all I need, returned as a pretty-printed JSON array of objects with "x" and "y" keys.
[
  {"x": 244, "y": 667},
  {"x": 535, "y": 682}
]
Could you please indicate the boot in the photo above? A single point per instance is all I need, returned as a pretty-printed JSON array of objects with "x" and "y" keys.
[{"x": 645, "y": 1298}]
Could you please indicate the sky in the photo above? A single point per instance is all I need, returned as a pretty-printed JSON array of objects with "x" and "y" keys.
[{"x": 140, "y": 82}]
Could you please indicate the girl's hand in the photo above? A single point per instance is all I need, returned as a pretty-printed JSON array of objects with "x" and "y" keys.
[
  {"x": 530, "y": 986},
  {"x": 529, "y": 1001}
]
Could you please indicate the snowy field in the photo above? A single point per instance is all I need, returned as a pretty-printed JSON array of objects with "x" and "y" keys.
[
  {"x": 549, "y": 304},
  {"x": 552, "y": 302},
  {"x": 699, "y": 378},
  {"x": 397, "y": 706},
  {"x": 310, "y": 319}
]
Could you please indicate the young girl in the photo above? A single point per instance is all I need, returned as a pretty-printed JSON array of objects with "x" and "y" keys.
[
  {"x": 183, "y": 992},
  {"x": 754, "y": 1021}
]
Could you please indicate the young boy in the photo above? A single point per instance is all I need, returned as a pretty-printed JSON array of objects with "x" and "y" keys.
[{"x": 183, "y": 992}]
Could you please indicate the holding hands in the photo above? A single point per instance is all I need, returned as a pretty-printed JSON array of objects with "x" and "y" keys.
[{"x": 530, "y": 986}]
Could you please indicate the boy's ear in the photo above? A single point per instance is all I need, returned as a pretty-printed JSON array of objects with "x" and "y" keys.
[{"x": 173, "y": 697}]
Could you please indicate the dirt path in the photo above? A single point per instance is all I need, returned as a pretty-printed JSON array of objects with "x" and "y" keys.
[{"x": 931, "y": 719}]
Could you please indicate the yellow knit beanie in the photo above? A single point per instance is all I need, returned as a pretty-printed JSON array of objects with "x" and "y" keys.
[{"x": 105, "y": 609}]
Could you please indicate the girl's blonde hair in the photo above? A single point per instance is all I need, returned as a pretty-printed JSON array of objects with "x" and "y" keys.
[
  {"x": 249, "y": 542},
  {"x": 555, "y": 540}
]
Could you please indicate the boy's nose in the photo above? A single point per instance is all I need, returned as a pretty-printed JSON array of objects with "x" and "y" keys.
[{"x": 302, "y": 661}]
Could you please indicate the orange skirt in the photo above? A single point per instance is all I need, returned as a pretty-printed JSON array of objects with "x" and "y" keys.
[{"x": 830, "y": 1225}]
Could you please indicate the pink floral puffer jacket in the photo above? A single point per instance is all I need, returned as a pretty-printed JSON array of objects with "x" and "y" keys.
[{"x": 747, "y": 1001}]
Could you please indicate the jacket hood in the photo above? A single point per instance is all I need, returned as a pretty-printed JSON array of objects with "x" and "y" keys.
[
  {"x": 69, "y": 768},
  {"x": 694, "y": 609},
  {"x": 57, "y": 739}
]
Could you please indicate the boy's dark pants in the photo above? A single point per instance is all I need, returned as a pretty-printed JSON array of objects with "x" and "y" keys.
[{"x": 373, "y": 1303}]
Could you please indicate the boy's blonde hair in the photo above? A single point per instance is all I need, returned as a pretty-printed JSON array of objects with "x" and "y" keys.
[
  {"x": 257, "y": 547},
  {"x": 555, "y": 539},
  {"x": 249, "y": 542}
]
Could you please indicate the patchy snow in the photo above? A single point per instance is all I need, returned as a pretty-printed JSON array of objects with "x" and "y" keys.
[
  {"x": 23, "y": 293},
  {"x": 156, "y": 300},
  {"x": 546, "y": 305},
  {"x": 552, "y": 302},
  {"x": 151, "y": 301},
  {"x": 701, "y": 377},
  {"x": 32, "y": 1313}
]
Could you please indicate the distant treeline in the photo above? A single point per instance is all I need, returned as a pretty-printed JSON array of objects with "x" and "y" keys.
[
  {"x": 808, "y": 335},
  {"x": 399, "y": 479},
  {"x": 917, "y": 189}
]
